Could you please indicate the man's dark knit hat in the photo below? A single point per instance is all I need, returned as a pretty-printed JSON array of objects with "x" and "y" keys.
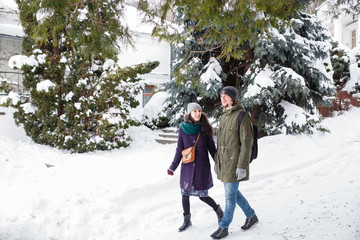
[{"x": 230, "y": 91}]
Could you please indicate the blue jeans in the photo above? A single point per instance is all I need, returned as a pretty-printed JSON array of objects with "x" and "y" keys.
[{"x": 232, "y": 197}]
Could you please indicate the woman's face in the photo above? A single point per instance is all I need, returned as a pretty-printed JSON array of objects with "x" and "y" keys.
[{"x": 196, "y": 114}]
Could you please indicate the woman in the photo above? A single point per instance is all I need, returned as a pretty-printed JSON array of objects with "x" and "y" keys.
[{"x": 195, "y": 177}]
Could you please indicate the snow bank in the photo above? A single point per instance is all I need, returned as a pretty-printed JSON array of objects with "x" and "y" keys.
[
  {"x": 301, "y": 187},
  {"x": 8, "y": 128},
  {"x": 155, "y": 106}
]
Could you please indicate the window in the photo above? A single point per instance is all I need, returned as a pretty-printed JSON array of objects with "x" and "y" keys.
[
  {"x": 353, "y": 39},
  {"x": 149, "y": 91}
]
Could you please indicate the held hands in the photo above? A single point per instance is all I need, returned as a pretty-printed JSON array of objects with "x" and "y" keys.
[
  {"x": 240, "y": 173},
  {"x": 170, "y": 172}
]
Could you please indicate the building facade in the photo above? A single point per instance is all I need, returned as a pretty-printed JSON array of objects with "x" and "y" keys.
[
  {"x": 10, "y": 44},
  {"x": 345, "y": 29}
]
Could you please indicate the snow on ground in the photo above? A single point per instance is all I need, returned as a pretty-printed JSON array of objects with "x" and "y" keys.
[{"x": 301, "y": 187}]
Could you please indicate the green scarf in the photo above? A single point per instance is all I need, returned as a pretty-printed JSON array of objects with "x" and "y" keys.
[{"x": 190, "y": 128}]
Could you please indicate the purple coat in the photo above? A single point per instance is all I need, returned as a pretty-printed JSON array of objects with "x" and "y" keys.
[{"x": 197, "y": 173}]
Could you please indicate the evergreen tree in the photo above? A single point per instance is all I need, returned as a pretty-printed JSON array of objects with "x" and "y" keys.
[
  {"x": 290, "y": 76},
  {"x": 198, "y": 77},
  {"x": 341, "y": 62},
  {"x": 209, "y": 30},
  {"x": 290, "y": 70},
  {"x": 194, "y": 82},
  {"x": 79, "y": 98},
  {"x": 228, "y": 24}
]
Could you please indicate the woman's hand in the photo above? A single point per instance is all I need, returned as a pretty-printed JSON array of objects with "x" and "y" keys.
[{"x": 170, "y": 172}]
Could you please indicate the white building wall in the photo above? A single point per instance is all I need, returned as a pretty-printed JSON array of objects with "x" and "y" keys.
[
  {"x": 10, "y": 43},
  {"x": 340, "y": 28},
  {"x": 358, "y": 33},
  {"x": 347, "y": 34},
  {"x": 148, "y": 49}
]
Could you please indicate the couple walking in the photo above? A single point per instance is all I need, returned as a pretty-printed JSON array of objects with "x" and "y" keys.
[{"x": 231, "y": 161}]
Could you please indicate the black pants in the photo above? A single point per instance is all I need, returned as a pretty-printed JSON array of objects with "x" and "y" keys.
[{"x": 186, "y": 203}]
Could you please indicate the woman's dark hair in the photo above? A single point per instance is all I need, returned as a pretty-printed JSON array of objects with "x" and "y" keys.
[{"x": 204, "y": 123}]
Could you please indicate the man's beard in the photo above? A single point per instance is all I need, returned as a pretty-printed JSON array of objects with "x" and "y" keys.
[{"x": 226, "y": 105}]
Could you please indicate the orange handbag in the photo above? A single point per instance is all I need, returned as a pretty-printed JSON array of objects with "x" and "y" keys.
[{"x": 188, "y": 154}]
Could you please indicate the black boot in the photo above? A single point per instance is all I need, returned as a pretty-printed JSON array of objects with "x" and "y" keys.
[
  {"x": 250, "y": 222},
  {"x": 220, "y": 233},
  {"x": 219, "y": 213},
  {"x": 186, "y": 224}
]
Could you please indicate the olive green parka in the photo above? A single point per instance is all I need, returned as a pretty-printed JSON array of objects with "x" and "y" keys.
[{"x": 232, "y": 154}]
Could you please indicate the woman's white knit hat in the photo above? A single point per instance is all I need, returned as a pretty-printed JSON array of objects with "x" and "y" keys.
[{"x": 192, "y": 106}]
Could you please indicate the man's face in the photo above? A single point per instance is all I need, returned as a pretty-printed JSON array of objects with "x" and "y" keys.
[{"x": 226, "y": 101}]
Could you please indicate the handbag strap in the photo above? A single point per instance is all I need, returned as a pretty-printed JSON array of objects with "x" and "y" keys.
[{"x": 197, "y": 140}]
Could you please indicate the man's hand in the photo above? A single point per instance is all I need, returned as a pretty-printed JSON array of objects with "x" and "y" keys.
[{"x": 240, "y": 173}]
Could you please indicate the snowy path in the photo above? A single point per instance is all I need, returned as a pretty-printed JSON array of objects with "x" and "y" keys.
[{"x": 302, "y": 187}]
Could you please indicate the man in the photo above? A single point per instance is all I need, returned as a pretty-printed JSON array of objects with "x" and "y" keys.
[{"x": 232, "y": 159}]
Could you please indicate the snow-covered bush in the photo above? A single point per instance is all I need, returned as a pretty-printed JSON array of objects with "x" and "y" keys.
[
  {"x": 154, "y": 113},
  {"x": 353, "y": 85},
  {"x": 346, "y": 65}
]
